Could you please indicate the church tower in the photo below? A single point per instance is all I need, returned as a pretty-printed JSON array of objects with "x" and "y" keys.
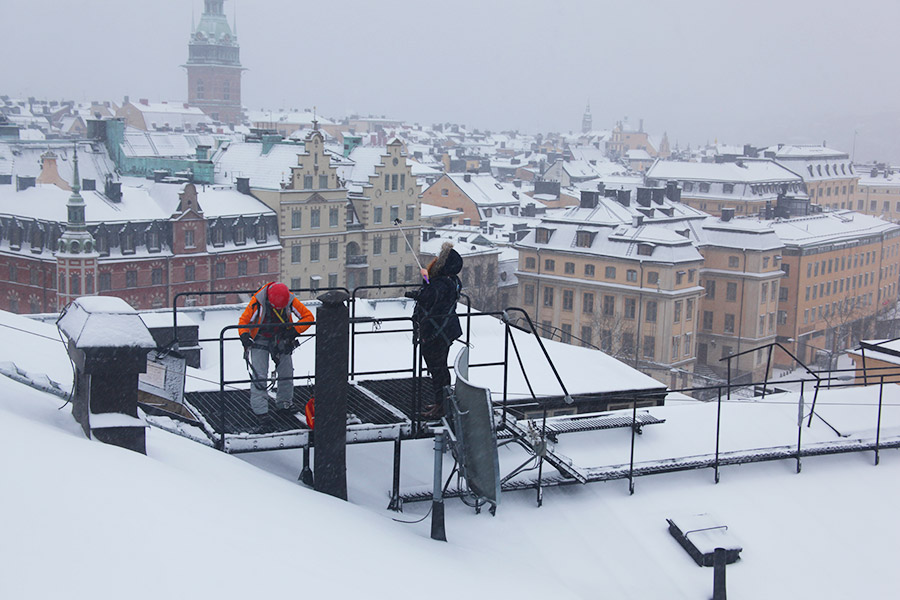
[
  {"x": 214, "y": 66},
  {"x": 587, "y": 124},
  {"x": 76, "y": 258}
]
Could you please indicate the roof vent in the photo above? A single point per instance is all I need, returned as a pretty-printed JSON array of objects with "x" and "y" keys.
[{"x": 727, "y": 214}]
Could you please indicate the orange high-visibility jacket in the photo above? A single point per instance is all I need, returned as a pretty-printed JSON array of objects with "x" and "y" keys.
[{"x": 256, "y": 310}]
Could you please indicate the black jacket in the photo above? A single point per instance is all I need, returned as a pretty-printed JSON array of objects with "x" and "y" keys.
[{"x": 435, "y": 317}]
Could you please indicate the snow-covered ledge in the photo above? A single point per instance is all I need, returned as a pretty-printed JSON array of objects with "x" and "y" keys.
[{"x": 108, "y": 342}]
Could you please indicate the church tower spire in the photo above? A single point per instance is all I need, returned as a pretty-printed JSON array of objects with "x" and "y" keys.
[
  {"x": 76, "y": 258},
  {"x": 587, "y": 124},
  {"x": 214, "y": 66}
]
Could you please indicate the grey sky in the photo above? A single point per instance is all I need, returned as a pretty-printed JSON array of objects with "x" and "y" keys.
[{"x": 737, "y": 72}]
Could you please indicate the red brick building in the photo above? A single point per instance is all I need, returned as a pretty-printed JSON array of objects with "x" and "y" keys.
[{"x": 149, "y": 245}]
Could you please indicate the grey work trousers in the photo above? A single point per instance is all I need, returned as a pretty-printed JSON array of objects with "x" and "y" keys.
[{"x": 260, "y": 352}]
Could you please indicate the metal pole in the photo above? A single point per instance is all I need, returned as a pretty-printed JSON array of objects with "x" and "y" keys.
[
  {"x": 718, "y": 429},
  {"x": 631, "y": 467},
  {"x": 812, "y": 409},
  {"x": 719, "y": 562},
  {"x": 396, "y": 504},
  {"x": 505, "y": 371},
  {"x": 332, "y": 349},
  {"x": 768, "y": 365},
  {"x": 800, "y": 422},
  {"x": 437, "y": 501},
  {"x": 878, "y": 428},
  {"x": 221, "y": 443},
  {"x": 306, "y": 475}
]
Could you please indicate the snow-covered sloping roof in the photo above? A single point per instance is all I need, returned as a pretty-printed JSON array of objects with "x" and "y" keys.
[
  {"x": 143, "y": 144},
  {"x": 622, "y": 241},
  {"x": 302, "y": 119},
  {"x": 145, "y": 201},
  {"x": 805, "y": 151},
  {"x": 583, "y": 539},
  {"x": 362, "y": 162},
  {"x": 745, "y": 171},
  {"x": 484, "y": 190},
  {"x": 265, "y": 170},
  {"x": 744, "y": 234},
  {"x": 171, "y": 114},
  {"x": 829, "y": 227},
  {"x": 24, "y": 160}
]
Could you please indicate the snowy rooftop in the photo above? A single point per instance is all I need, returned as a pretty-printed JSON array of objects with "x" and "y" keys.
[
  {"x": 144, "y": 201},
  {"x": 747, "y": 171},
  {"x": 829, "y": 227},
  {"x": 266, "y": 170},
  {"x": 835, "y": 520}
]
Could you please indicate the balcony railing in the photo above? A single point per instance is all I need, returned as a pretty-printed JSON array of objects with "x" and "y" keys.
[{"x": 358, "y": 260}]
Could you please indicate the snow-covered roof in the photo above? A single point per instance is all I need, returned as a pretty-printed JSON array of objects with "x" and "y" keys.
[
  {"x": 246, "y": 159},
  {"x": 301, "y": 119},
  {"x": 137, "y": 143},
  {"x": 584, "y": 539},
  {"x": 104, "y": 322},
  {"x": 485, "y": 191},
  {"x": 829, "y": 227},
  {"x": 744, "y": 171},
  {"x": 142, "y": 201},
  {"x": 24, "y": 160}
]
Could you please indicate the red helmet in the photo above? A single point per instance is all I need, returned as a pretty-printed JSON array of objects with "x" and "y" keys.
[{"x": 279, "y": 295}]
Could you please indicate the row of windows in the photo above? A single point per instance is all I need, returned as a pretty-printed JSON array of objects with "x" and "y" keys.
[
  {"x": 391, "y": 182},
  {"x": 828, "y": 191},
  {"x": 859, "y": 259},
  {"x": 827, "y": 288},
  {"x": 609, "y": 272},
  {"x": 838, "y": 311},
  {"x": 158, "y": 275},
  {"x": 873, "y": 206}
]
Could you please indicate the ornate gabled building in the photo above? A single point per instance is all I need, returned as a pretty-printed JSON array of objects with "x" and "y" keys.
[{"x": 214, "y": 66}]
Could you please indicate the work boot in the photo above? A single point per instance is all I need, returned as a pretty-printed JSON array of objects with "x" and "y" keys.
[{"x": 262, "y": 423}]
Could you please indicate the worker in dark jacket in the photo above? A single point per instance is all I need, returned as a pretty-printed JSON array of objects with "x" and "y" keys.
[
  {"x": 273, "y": 304},
  {"x": 435, "y": 323}
]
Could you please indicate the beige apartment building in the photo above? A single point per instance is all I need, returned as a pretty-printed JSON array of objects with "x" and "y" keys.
[
  {"x": 741, "y": 277},
  {"x": 747, "y": 186},
  {"x": 828, "y": 174},
  {"x": 340, "y": 233},
  {"x": 878, "y": 193},
  {"x": 841, "y": 271},
  {"x": 605, "y": 274}
]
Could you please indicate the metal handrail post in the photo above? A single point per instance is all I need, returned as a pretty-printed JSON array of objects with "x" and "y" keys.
[
  {"x": 812, "y": 409},
  {"x": 800, "y": 422},
  {"x": 766, "y": 380},
  {"x": 631, "y": 464},
  {"x": 878, "y": 427},
  {"x": 718, "y": 430},
  {"x": 505, "y": 371}
]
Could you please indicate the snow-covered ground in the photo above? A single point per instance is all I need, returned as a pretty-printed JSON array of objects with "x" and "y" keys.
[{"x": 81, "y": 519}]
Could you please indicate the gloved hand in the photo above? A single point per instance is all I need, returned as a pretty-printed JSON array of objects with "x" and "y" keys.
[{"x": 247, "y": 342}]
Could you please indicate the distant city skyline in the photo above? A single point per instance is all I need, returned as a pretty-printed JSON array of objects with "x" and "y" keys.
[{"x": 698, "y": 70}]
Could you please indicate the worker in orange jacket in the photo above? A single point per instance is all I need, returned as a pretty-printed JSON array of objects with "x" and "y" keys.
[{"x": 273, "y": 304}]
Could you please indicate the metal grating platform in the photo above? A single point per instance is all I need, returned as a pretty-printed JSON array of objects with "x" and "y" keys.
[
  {"x": 577, "y": 424},
  {"x": 401, "y": 392},
  {"x": 237, "y": 418}
]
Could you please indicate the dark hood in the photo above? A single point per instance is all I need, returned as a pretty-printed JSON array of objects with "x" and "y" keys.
[{"x": 453, "y": 264}]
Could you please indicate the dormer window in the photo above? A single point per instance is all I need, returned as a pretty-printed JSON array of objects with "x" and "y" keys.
[
  {"x": 688, "y": 186},
  {"x": 127, "y": 242},
  {"x": 645, "y": 249},
  {"x": 704, "y": 187},
  {"x": 240, "y": 235},
  {"x": 542, "y": 235},
  {"x": 584, "y": 239},
  {"x": 728, "y": 188}
]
